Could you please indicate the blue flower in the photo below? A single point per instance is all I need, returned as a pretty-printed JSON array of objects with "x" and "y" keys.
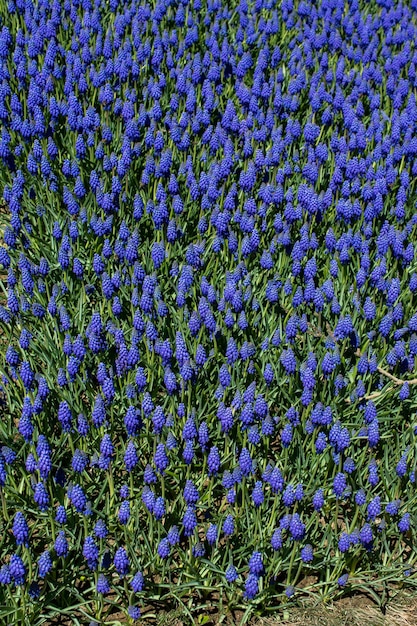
[
  {"x": 297, "y": 527},
  {"x": 16, "y": 569},
  {"x": 21, "y": 529},
  {"x": 78, "y": 498},
  {"x": 44, "y": 564},
  {"x": 90, "y": 552},
  {"x": 61, "y": 544},
  {"x": 251, "y": 587},
  {"x": 134, "y": 612},
  {"x": 229, "y": 525},
  {"x": 307, "y": 555},
  {"x": 103, "y": 585},
  {"x": 256, "y": 565},
  {"x": 137, "y": 583},
  {"x": 339, "y": 484},
  {"x": 61, "y": 515},
  {"x": 41, "y": 496},
  {"x": 258, "y": 494},
  {"x": 404, "y": 523},
  {"x": 189, "y": 521},
  {"x": 161, "y": 459},
  {"x": 231, "y": 574},
  {"x": 121, "y": 562},
  {"x": 213, "y": 460},
  {"x": 245, "y": 462}
]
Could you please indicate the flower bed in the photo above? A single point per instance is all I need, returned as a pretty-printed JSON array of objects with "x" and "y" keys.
[{"x": 209, "y": 323}]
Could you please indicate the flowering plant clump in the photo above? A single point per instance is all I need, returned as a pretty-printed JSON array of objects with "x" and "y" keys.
[{"x": 209, "y": 322}]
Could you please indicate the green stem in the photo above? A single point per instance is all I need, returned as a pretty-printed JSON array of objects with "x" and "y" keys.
[{"x": 4, "y": 506}]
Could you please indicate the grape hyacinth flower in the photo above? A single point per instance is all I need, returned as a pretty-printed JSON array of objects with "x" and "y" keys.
[{"x": 203, "y": 201}]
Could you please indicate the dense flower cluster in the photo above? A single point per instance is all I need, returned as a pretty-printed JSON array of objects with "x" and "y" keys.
[{"x": 209, "y": 330}]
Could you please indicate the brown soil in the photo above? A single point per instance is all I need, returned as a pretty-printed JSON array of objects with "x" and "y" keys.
[{"x": 357, "y": 610}]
